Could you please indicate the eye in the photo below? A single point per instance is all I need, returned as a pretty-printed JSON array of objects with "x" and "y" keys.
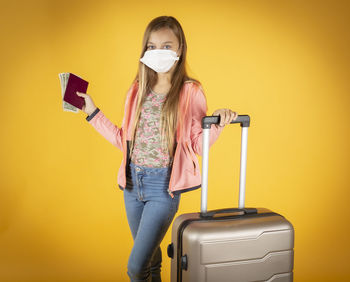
[
  {"x": 168, "y": 46},
  {"x": 149, "y": 46}
]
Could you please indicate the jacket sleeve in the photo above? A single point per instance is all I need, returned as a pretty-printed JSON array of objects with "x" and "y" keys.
[
  {"x": 199, "y": 110},
  {"x": 106, "y": 128}
]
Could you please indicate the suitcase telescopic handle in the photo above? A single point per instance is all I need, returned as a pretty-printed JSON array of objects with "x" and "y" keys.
[{"x": 207, "y": 121}]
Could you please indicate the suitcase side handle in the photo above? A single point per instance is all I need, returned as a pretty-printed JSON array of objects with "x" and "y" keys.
[
  {"x": 230, "y": 212},
  {"x": 207, "y": 121}
]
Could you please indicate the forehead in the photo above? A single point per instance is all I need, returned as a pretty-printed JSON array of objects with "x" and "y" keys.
[{"x": 162, "y": 35}]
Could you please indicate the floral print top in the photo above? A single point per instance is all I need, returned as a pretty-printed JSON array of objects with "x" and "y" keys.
[{"x": 148, "y": 150}]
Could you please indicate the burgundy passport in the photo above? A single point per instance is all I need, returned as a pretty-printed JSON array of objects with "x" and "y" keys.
[{"x": 75, "y": 83}]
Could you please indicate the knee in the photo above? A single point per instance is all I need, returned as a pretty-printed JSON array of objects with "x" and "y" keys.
[
  {"x": 156, "y": 262},
  {"x": 138, "y": 272}
]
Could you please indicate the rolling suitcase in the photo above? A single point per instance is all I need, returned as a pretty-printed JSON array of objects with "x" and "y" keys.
[{"x": 234, "y": 244}]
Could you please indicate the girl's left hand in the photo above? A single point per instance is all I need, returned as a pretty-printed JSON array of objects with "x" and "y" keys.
[{"x": 226, "y": 116}]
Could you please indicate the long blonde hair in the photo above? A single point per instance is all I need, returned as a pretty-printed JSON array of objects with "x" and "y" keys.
[{"x": 147, "y": 78}]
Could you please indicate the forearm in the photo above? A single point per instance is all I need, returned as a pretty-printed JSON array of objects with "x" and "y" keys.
[
  {"x": 106, "y": 128},
  {"x": 197, "y": 139}
]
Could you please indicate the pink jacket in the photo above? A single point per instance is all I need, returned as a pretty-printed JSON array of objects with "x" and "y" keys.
[{"x": 185, "y": 174}]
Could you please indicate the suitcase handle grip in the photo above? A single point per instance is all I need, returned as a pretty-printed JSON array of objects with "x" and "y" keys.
[
  {"x": 222, "y": 213},
  {"x": 207, "y": 121}
]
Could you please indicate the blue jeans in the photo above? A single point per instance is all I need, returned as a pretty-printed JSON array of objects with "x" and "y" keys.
[{"x": 150, "y": 211}]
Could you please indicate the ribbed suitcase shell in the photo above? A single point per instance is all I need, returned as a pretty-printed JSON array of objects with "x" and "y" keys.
[{"x": 248, "y": 248}]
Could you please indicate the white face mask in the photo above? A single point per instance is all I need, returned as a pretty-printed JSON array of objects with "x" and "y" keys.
[{"x": 160, "y": 60}]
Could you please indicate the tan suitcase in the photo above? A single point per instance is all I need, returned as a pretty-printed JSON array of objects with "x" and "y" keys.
[{"x": 233, "y": 244}]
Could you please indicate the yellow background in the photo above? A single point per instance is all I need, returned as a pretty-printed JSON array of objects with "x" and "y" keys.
[{"x": 285, "y": 63}]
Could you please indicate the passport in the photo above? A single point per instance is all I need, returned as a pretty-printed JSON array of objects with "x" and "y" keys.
[{"x": 70, "y": 83}]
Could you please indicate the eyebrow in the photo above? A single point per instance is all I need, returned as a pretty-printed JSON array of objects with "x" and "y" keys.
[{"x": 163, "y": 42}]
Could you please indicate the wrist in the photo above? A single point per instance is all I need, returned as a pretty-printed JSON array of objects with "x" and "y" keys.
[
  {"x": 90, "y": 112},
  {"x": 91, "y": 116}
]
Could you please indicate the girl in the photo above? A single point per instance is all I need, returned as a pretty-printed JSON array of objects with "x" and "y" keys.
[{"x": 160, "y": 134}]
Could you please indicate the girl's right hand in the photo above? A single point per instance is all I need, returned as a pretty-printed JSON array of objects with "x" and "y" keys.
[{"x": 89, "y": 106}]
